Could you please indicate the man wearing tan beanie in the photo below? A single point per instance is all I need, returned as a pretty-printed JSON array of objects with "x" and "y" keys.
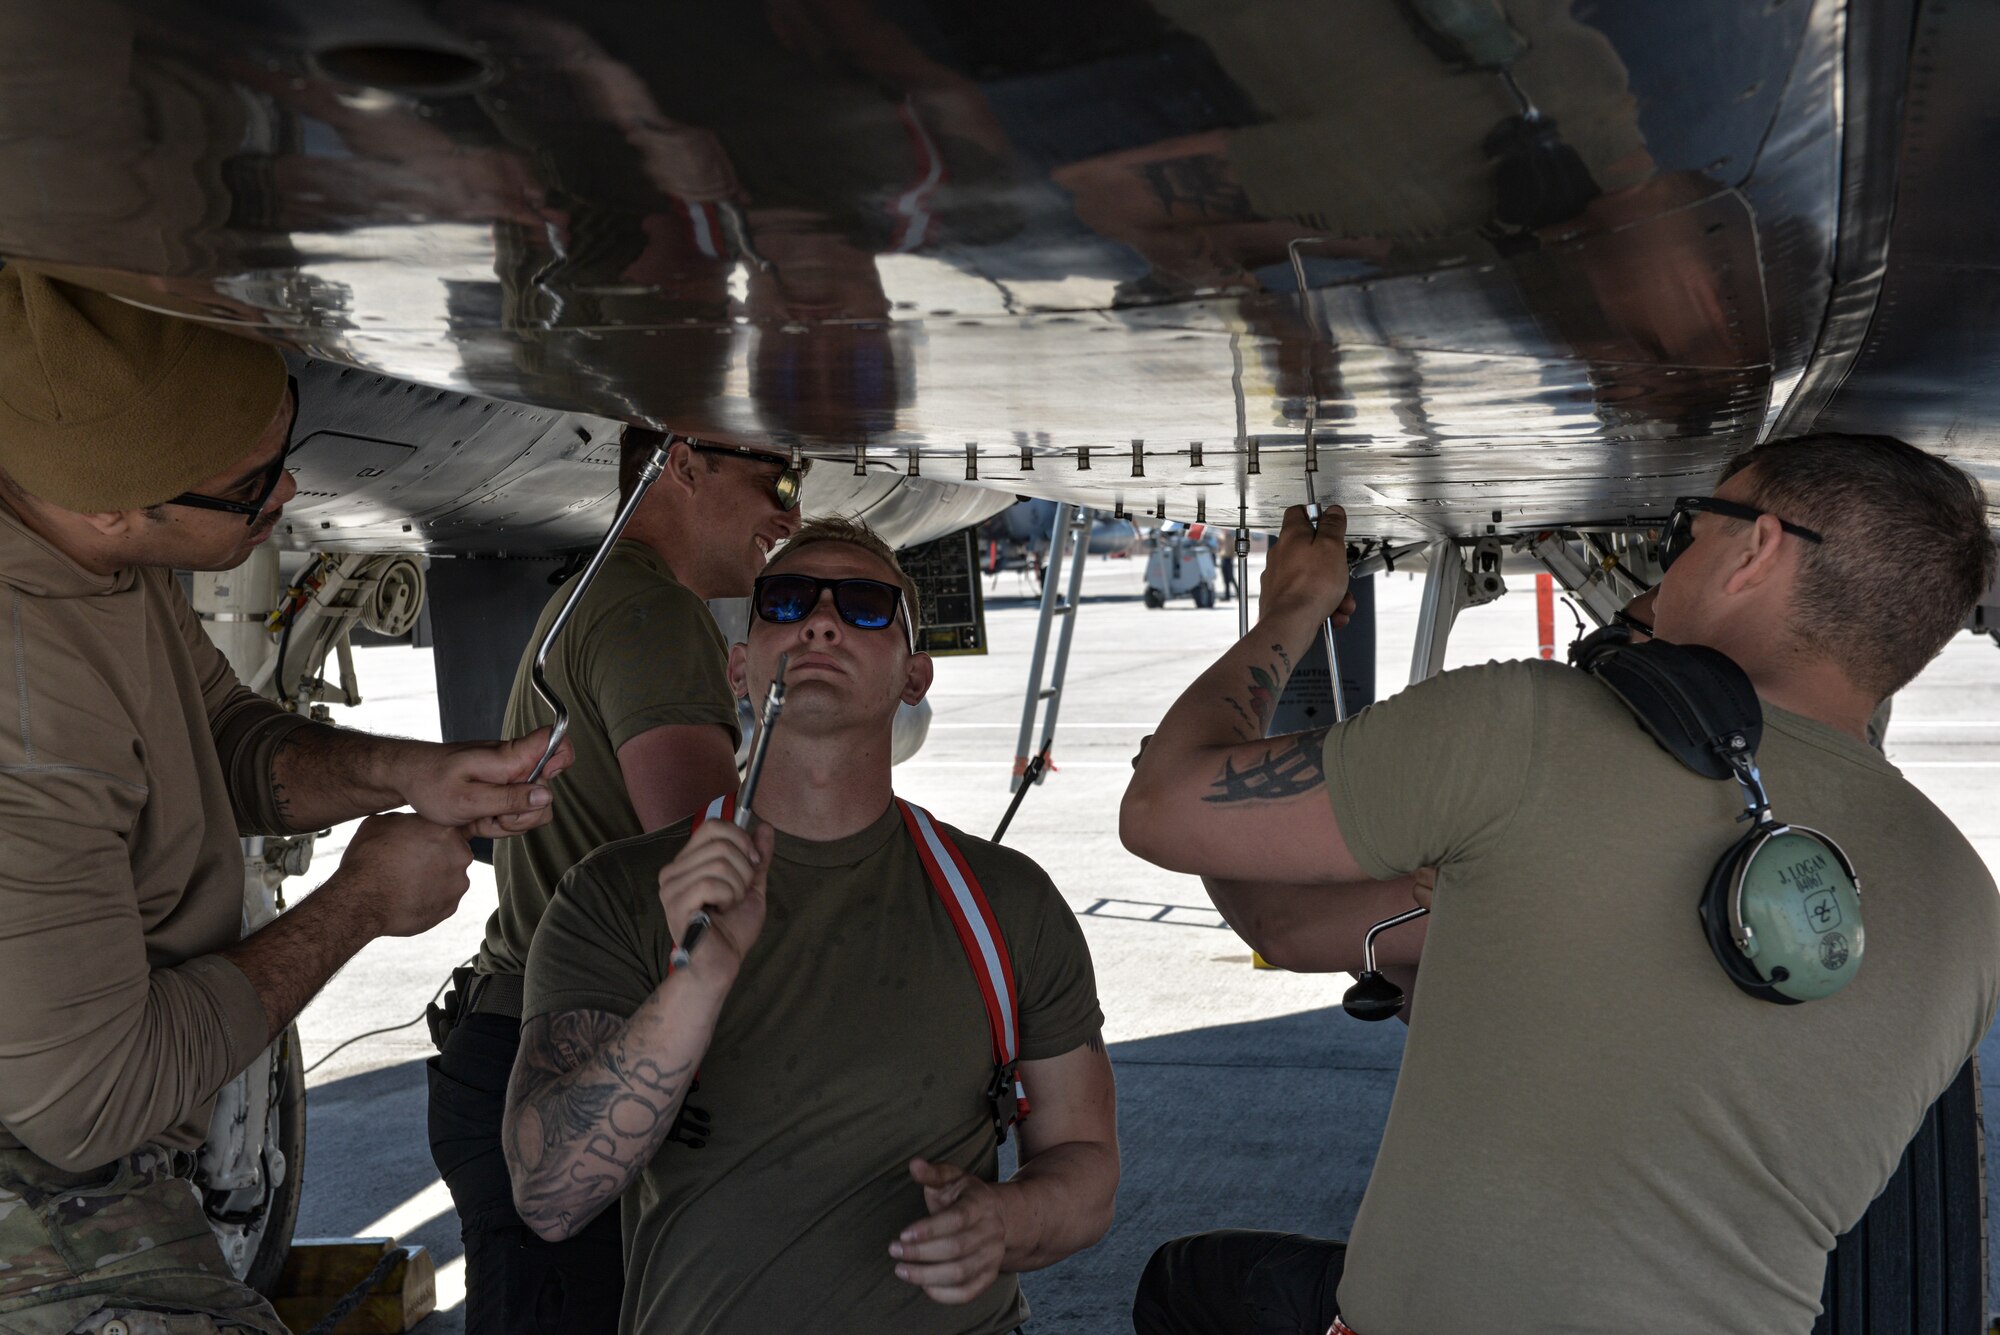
[{"x": 131, "y": 760}]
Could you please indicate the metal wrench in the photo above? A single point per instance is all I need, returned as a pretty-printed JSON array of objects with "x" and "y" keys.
[
  {"x": 774, "y": 704},
  {"x": 649, "y": 473}
]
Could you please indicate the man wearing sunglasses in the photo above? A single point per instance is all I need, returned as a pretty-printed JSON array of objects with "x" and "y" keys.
[
  {"x": 846, "y": 1042},
  {"x": 1594, "y": 1129},
  {"x": 644, "y": 670},
  {"x": 131, "y": 760}
]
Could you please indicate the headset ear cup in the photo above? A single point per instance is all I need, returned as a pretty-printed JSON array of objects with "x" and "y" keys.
[{"x": 1714, "y": 910}]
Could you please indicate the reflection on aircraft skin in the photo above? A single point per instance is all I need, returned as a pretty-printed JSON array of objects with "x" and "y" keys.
[{"x": 1558, "y": 266}]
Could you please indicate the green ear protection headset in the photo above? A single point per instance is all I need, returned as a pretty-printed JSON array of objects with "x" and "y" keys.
[{"x": 1782, "y": 909}]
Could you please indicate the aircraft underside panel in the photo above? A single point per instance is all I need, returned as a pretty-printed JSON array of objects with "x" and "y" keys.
[
  {"x": 385, "y": 464},
  {"x": 1452, "y": 266}
]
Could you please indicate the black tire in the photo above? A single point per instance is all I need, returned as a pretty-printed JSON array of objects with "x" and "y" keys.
[
  {"x": 1204, "y": 595},
  {"x": 1154, "y": 598},
  {"x": 266, "y": 1224},
  {"x": 276, "y": 1243}
]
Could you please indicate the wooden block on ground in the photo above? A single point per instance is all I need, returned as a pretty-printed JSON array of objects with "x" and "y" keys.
[{"x": 321, "y": 1271}]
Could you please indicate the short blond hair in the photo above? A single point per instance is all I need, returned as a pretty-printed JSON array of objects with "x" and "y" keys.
[{"x": 853, "y": 533}]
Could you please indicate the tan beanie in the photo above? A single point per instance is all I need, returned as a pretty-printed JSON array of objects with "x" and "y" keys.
[{"x": 107, "y": 406}]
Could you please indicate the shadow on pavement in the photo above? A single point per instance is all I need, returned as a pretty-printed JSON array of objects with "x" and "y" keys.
[
  {"x": 1268, "y": 1124},
  {"x": 1265, "y": 1124},
  {"x": 368, "y": 1152}
]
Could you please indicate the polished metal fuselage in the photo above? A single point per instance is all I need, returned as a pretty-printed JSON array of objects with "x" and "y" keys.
[{"x": 1181, "y": 258}]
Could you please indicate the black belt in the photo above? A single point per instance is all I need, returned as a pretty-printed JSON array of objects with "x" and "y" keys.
[{"x": 494, "y": 994}]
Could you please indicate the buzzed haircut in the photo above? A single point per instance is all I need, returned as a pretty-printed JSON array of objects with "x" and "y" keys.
[
  {"x": 854, "y": 533},
  {"x": 634, "y": 448},
  {"x": 1907, "y": 552}
]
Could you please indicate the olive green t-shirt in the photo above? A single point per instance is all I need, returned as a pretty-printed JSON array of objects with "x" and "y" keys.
[
  {"x": 640, "y": 652},
  {"x": 853, "y": 1040},
  {"x": 1594, "y": 1129}
]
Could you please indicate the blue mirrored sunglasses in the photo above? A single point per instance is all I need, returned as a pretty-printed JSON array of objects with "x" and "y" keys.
[{"x": 866, "y": 604}]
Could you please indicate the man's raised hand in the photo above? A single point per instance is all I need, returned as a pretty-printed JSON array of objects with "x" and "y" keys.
[
  {"x": 1306, "y": 571},
  {"x": 722, "y": 871}
]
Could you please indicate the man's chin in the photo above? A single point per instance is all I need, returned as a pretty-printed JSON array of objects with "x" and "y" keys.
[
  {"x": 242, "y": 552},
  {"x": 827, "y": 702}
]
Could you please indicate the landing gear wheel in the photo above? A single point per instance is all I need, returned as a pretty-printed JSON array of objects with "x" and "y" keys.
[
  {"x": 254, "y": 1224},
  {"x": 1204, "y": 595},
  {"x": 1154, "y": 598}
]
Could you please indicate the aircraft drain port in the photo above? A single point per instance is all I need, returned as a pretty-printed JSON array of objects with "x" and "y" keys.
[{"x": 408, "y": 69}]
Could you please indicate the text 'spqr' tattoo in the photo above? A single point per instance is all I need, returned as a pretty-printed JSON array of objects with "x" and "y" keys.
[
  {"x": 1298, "y": 768},
  {"x": 589, "y": 1116}
]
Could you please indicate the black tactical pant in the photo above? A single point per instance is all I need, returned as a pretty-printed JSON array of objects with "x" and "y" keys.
[
  {"x": 1240, "y": 1282},
  {"x": 515, "y": 1283}
]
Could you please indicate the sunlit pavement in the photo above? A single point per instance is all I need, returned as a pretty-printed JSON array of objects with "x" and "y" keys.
[{"x": 1246, "y": 1097}]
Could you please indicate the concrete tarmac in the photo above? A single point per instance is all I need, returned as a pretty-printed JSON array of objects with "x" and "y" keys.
[{"x": 1246, "y": 1097}]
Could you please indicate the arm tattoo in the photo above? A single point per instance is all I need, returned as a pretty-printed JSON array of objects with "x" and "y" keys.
[
  {"x": 281, "y": 797},
  {"x": 1265, "y": 685},
  {"x": 305, "y": 753},
  {"x": 1297, "y": 768},
  {"x": 584, "y": 1115},
  {"x": 1095, "y": 1042},
  {"x": 1249, "y": 732},
  {"x": 1200, "y": 185}
]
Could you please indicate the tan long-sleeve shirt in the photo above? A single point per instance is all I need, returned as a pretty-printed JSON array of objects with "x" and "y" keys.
[{"x": 130, "y": 761}]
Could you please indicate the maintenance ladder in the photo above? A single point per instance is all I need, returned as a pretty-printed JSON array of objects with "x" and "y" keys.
[{"x": 1069, "y": 535}]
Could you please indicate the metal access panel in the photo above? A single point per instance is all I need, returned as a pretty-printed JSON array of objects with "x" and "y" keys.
[
  {"x": 951, "y": 606},
  {"x": 1308, "y": 699}
]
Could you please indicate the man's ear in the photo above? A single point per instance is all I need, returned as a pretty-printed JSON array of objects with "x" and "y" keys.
[
  {"x": 112, "y": 523},
  {"x": 917, "y": 676},
  {"x": 739, "y": 670},
  {"x": 1758, "y": 557},
  {"x": 680, "y": 467}
]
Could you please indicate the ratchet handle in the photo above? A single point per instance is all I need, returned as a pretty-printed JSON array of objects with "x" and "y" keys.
[
  {"x": 773, "y": 705},
  {"x": 556, "y": 735}
]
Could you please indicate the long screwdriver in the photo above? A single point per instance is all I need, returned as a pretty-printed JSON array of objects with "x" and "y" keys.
[{"x": 774, "y": 705}]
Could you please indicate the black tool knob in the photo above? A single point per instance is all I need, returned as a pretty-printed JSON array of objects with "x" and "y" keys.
[{"x": 1372, "y": 997}]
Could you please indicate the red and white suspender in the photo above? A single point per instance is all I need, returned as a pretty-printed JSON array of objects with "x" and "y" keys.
[{"x": 978, "y": 932}]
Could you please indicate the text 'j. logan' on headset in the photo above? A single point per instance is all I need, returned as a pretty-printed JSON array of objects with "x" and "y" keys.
[{"x": 1782, "y": 909}]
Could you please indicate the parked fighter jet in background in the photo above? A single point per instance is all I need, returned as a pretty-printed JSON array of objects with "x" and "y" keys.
[{"x": 1018, "y": 537}]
